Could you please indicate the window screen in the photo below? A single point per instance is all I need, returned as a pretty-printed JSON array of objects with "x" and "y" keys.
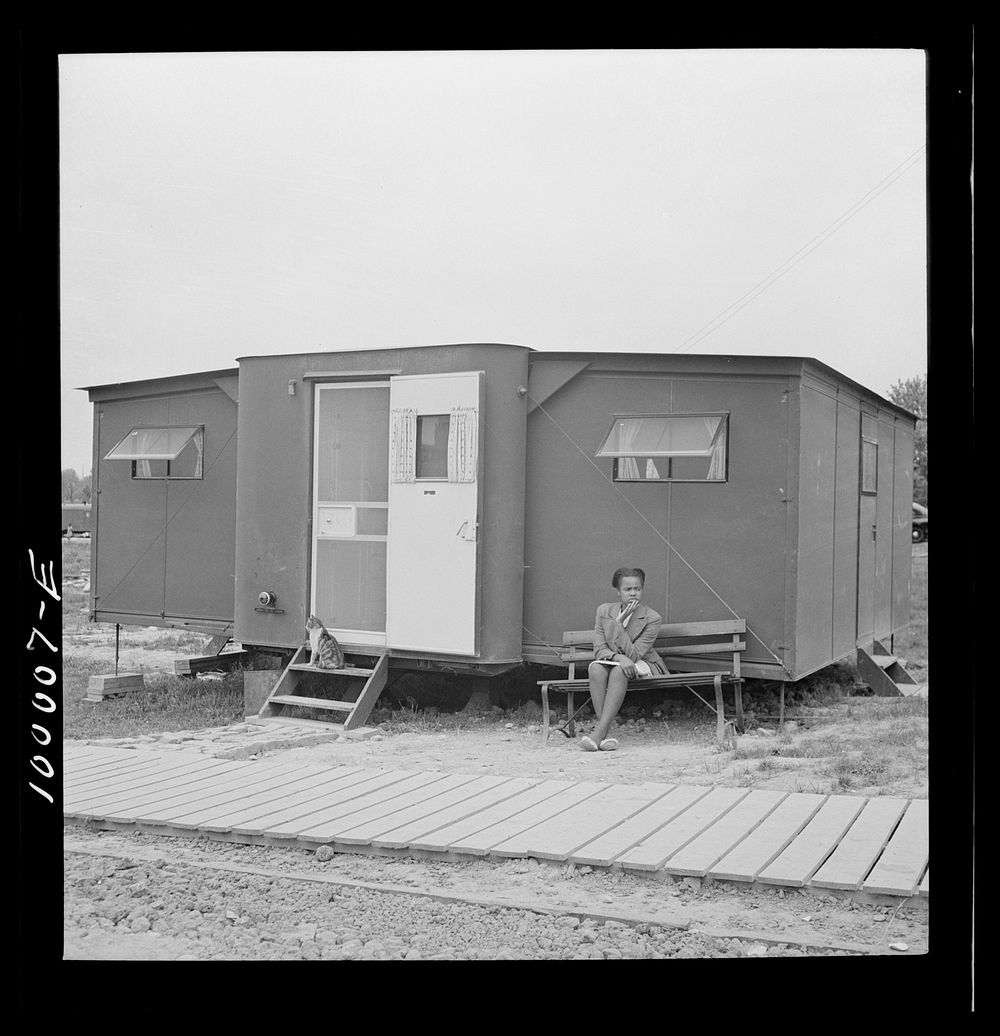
[
  {"x": 166, "y": 452},
  {"x": 869, "y": 466},
  {"x": 668, "y": 447},
  {"x": 432, "y": 445}
]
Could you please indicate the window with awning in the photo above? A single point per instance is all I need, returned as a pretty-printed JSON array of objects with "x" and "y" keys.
[
  {"x": 162, "y": 452},
  {"x": 668, "y": 447}
]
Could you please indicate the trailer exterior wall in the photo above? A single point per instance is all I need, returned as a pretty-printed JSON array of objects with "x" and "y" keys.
[
  {"x": 902, "y": 529},
  {"x": 828, "y": 524},
  {"x": 273, "y": 541},
  {"x": 845, "y": 544},
  {"x": 164, "y": 550},
  {"x": 580, "y": 525},
  {"x": 853, "y": 580}
]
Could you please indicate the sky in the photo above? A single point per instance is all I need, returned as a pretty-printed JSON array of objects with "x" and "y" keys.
[{"x": 744, "y": 202}]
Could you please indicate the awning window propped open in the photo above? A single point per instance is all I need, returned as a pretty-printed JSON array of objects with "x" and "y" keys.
[
  {"x": 673, "y": 447},
  {"x": 162, "y": 452}
]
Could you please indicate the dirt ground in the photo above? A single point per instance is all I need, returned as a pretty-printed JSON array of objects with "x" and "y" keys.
[
  {"x": 683, "y": 751},
  {"x": 142, "y": 897}
]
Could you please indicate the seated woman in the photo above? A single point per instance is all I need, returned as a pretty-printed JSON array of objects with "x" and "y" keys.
[{"x": 623, "y": 648}]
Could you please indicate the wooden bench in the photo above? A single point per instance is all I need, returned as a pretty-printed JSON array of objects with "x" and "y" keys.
[{"x": 696, "y": 653}]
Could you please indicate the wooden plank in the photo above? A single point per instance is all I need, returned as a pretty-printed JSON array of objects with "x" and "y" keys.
[
  {"x": 361, "y": 828},
  {"x": 94, "y": 771},
  {"x": 311, "y": 703},
  {"x": 653, "y": 852},
  {"x": 285, "y": 803},
  {"x": 78, "y": 761},
  {"x": 709, "y": 847},
  {"x": 413, "y": 830},
  {"x": 670, "y": 630},
  {"x": 155, "y": 781},
  {"x": 392, "y": 786},
  {"x": 483, "y": 841},
  {"x": 191, "y": 665},
  {"x": 746, "y": 860},
  {"x": 605, "y": 849},
  {"x": 861, "y": 846},
  {"x": 925, "y": 885},
  {"x": 157, "y": 785},
  {"x": 899, "y": 867},
  {"x": 347, "y": 670},
  {"x": 156, "y": 804},
  {"x": 573, "y": 828},
  {"x": 107, "y": 686},
  {"x": 224, "y": 795},
  {"x": 78, "y": 783},
  {"x": 797, "y": 863},
  {"x": 174, "y": 770},
  {"x": 298, "y": 807},
  {"x": 441, "y": 839},
  {"x": 645, "y": 682},
  {"x": 260, "y": 797}
]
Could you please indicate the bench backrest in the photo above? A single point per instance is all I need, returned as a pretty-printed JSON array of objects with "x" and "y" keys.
[{"x": 683, "y": 646}]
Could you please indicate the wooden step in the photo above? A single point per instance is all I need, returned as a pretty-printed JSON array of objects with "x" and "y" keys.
[
  {"x": 311, "y": 703},
  {"x": 304, "y": 667},
  {"x": 884, "y": 661}
]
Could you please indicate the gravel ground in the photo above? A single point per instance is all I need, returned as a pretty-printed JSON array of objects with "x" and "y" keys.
[{"x": 158, "y": 898}]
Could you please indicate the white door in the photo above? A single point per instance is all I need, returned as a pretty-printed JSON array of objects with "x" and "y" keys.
[
  {"x": 350, "y": 510},
  {"x": 435, "y": 468}
]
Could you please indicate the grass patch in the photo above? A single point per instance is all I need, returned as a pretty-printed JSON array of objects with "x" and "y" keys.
[{"x": 165, "y": 704}]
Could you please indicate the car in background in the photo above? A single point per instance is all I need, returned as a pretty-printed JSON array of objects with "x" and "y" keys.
[{"x": 919, "y": 523}]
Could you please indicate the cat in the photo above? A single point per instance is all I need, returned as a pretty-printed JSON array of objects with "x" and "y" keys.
[{"x": 326, "y": 653}]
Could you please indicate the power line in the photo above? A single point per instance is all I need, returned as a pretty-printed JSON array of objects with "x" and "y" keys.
[{"x": 807, "y": 249}]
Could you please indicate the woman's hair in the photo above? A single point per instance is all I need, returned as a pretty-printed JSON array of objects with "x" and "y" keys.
[{"x": 621, "y": 573}]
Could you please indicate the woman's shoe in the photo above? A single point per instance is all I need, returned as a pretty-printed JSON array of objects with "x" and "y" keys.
[
  {"x": 609, "y": 744},
  {"x": 587, "y": 744}
]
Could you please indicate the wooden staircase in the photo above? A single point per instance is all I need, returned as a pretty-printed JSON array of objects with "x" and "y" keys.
[
  {"x": 355, "y": 712},
  {"x": 884, "y": 673}
]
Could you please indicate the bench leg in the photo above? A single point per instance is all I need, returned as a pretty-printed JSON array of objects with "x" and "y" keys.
[
  {"x": 781, "y": 708},
  {"x": 570, "y": 711},
  {"x": 720, "y": 717},
  {"x": 545, "y": 713},
  {"x": 739, "y": 703}
]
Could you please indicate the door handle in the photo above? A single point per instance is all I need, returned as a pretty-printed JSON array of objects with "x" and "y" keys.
[{"x": 464, "y": 526}]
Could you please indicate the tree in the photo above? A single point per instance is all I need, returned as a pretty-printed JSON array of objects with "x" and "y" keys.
[
  {"x": 70, "y": 484},
  {"x": 911, "y": 394}
]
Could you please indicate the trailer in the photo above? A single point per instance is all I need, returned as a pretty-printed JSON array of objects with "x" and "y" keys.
[
  {"x": 76, "y": 519},
  {"x": 458, "y": 507}
]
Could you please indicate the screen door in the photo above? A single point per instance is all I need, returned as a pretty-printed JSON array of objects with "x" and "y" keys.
[{"x": 350, "y": 510}]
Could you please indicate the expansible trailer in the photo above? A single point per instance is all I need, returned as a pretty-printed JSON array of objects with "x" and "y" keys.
[{"x": 461, "y": 506}]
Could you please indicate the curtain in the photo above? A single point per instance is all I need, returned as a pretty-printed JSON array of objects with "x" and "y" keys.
[
  {"x": 628, "y": 467},
  {"x": 717, "y": 465},
  {"x": 463, "y": 444},
  {"x": 403, "y": 446},
  {"x": 199, "y": 445}
]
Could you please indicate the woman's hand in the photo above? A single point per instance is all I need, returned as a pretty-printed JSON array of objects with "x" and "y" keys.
[{"x": 627, "y": 666}]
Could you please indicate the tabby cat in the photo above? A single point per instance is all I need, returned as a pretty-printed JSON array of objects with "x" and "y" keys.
[{"x": 326, "y": 652}]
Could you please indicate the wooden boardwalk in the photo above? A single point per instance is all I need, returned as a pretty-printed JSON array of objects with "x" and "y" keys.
[{"x": 877, "y": 845}]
